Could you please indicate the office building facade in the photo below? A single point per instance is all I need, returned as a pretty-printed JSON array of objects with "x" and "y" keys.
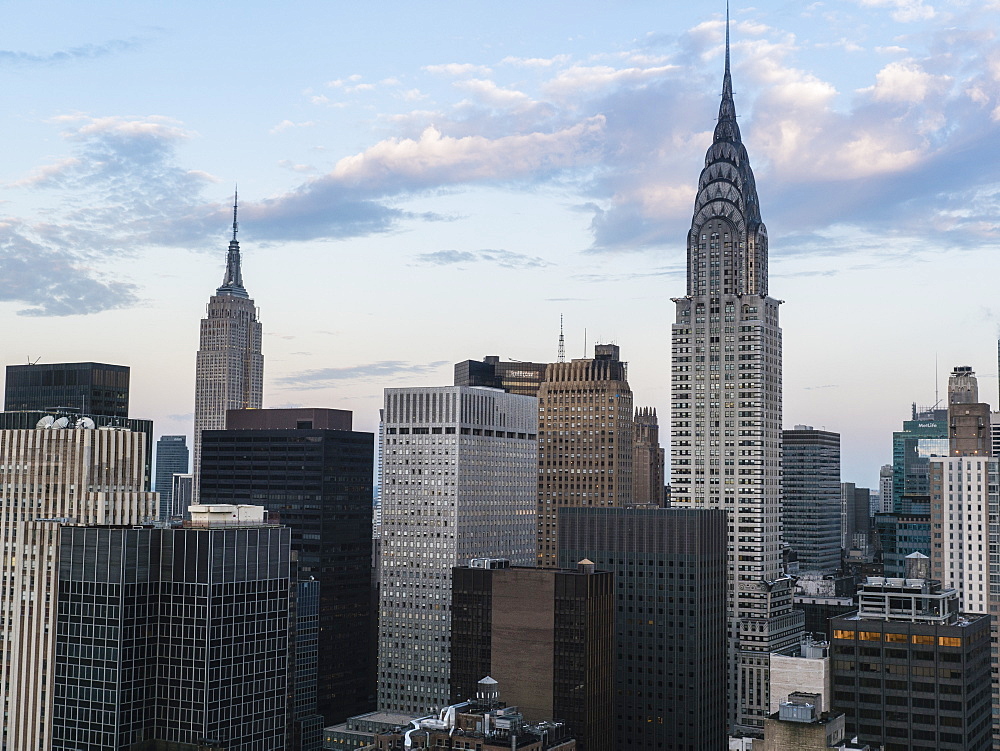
[
  {"x": 313, "y": 474},
  {"x": 172, "y": 458},
  {"x": 459, "y": 468},
  {"x": 910, "y": 672},
  {"x": 89, "y": 388},
  {"x": 50, "y": 477},
  {"x": 585, "y": 441},
  {"x": 811, "y": 488},
  {"x": 726, "y": 406},
  {"x": 670, "y": 568},
  {"x": 173, "y": 636},
  {"x": 648, "y": 459},
  {"x": 229, "y": 372},
  {"x": 512, "y": 376},
  {"x": 545, "y": 635}
]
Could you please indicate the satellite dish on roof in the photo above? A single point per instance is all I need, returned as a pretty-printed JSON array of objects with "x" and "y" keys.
[
  {"x": 86, "y": 423},
  {"x": 45, "y": 422},
  {"x": 60, "y": 422}
]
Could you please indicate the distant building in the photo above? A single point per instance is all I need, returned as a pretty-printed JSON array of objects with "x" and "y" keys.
[
  {"x": 482, "y": 723},
  {"x": 884, "y": 490},
  {"x": 360, "y": 731},
  {"x": 313, "y": 474},
  {"x": 670, "y": 630},
  {"x": 512, "y": 376},
  {"x": 802, "y": 667},
  {"x": 585, "y": 436},
  {"x": 648, "y": 458},
  {"x": 229, "y": 371},
  {"x": 547, "y": 635},
  {"x": 459, "y": 473},
  {"x": 192, "y": 637},
  {"x": 48, "y": 478},
  {"x": 182, "y": 494},
  {"x": 810, "y": 514},
  {"x": 89, "y": 388},
  {"x": 172, "y": 458},
  {"x": 854, "y": 516},
  {"x": 799, "y": 725},
  {"x": 936, "y": 692}
]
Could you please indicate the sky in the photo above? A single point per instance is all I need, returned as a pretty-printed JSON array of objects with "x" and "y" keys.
[{"x": 424, "y": 183}]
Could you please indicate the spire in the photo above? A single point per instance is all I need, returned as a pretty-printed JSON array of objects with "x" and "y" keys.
[
  {"x": 236, "y": 193},
  {"x": 726, "y": 129},
  {"x": 562, "y": 342},
  {"x": 232, "y": 282}
]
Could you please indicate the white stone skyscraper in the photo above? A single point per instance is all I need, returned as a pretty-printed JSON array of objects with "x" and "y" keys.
[
  {"x": 459, "y": 469},
  {"x": 726, "y": 408},
  {"x": 66, "y": 471},
  {"x": 229, "y": 373}
]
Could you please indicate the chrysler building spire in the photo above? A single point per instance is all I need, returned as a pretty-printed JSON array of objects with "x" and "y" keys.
[{"x": 232, "y": 282}]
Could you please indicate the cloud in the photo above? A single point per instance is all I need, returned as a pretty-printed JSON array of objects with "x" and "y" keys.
[
  {"x": 904, "y": 81},
  {"x": 287, "y": 124},
  {"x": 903, "y": 10},
  {"x": 55, "y": 281},
  {"x": 458, "y": 69},
  {"x": 383, "y": 370},
  {"x": 503, "y": 258},
  {"x": 81, "y": 52}
]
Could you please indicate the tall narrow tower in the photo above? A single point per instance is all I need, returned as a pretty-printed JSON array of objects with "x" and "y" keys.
[
  {"x": 230, "y": 370},
  {"x": 726, "y": 408}
]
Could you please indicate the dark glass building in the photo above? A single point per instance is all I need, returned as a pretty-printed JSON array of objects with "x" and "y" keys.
[
  {"x": 91, "y": 388},
  {"x": 172, "y": 638},
  {"x": 172, "y": 458},
  {"x": 545, "y": 635},
  {"x": 513, "y": 376},
  {"x": 810, "y": 485},
  {"x": 910, "y": 672},
  {"x": 670, "y": 569},
  {"x": 318, "y": 482}
]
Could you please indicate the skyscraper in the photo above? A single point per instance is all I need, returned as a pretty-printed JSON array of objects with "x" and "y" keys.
[
  {"x": 669, "y": 568},
  {"x": 174, "y": 637},
  {"x": 311, "y": 471},
  {"x": 811, "y": 489},
  {"x": 545, "y": 635},
  {"x": 52, "y": 476},
  {"x": 584, "y": 441},
  {"x": 229, "y": 373},
  {"x": 459, "y": 466},
  {"x": 648, "y": 468},
  {"x": 92, "y": 388},
  {"x": 726, "y": 407},
  {"x": 172, "y": 458},
  {"x": 513, "y": 376}
]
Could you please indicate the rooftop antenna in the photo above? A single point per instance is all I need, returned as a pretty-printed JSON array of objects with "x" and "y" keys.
[
  {"x": 561, "y": 357},
  {"x": 35, "y": 361},
  {"x": 236, "y": 201},
  {"x": 585, "y": 342}
]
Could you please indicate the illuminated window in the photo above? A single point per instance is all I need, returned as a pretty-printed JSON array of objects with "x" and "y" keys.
[
  {"x": 841, "y": 634},
  {"x": 896, "y": 637},
  {"x": 870, "y": 635},
  {"x": 922, "y": 639},
  {"x": 949, "y": 641}
]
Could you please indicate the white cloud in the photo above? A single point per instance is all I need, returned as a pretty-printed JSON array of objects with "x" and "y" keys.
[
  {"x": 903, "y": 81},
  {"x": 459, "y": 69},
  {"x": 904, "y": 10},
  {"x": 288, "y": 124}
]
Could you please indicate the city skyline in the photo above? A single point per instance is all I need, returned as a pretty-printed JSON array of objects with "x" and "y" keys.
[{"x": 551, "y": 153}]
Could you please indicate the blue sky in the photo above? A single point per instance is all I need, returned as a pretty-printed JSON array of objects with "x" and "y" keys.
[{"x": 425, "y": 183}]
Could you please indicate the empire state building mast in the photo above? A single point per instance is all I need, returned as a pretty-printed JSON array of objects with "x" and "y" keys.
[
  {"x": 726, "y": 409},
  {"x": 230, "y": 368}
]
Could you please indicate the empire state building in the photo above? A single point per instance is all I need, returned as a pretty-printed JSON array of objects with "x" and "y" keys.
[
  {"x": 230, "y": 369},
  {"x": 726, "y": 409}
]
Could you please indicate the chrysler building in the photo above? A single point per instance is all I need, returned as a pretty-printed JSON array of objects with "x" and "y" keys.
[
  {"x": 230, "y": 369},
  {"x": 726, "y": 409}
]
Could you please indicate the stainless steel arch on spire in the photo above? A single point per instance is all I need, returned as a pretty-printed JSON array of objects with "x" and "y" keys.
[
  {"x": 232, "y": 282},
  {"x": 727, "y": 211}
]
